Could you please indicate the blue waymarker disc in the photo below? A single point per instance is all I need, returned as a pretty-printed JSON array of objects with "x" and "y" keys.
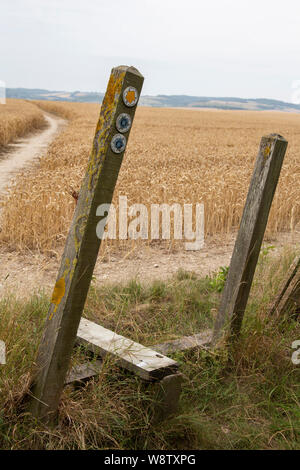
[
  {"x": 123, "y": 122},
  {"x": 118, "y": 143}
]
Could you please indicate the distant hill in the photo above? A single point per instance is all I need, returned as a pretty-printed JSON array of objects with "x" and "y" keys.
[
  {"x": 170, "y": 101},
  {"x": 40, "y": 94}
]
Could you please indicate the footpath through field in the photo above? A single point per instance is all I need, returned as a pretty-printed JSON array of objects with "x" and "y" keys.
[{"x": 25, "y": 150}]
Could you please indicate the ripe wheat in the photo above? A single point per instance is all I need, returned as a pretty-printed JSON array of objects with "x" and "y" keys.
[
  {"x": 173, "y": 155},
  {"x": 17, "y": 118}
]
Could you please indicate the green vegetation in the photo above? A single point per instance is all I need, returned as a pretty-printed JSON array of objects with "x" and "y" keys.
[
  {"x": 218, "y": 282},
  {"x": 249, "y": 402}
]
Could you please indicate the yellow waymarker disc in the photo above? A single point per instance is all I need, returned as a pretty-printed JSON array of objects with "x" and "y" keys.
[{"x": 130, "y": 96}]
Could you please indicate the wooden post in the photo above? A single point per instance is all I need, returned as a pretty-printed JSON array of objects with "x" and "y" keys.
[
  {"x": 82, "y": 245},
  {"x": 250, "y": 236},
  {"x": 167, "y": 396},
  {"x": 288, "y": 298}
]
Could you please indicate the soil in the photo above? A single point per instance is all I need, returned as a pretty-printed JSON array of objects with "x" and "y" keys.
[{"x": 33, "y": 272}]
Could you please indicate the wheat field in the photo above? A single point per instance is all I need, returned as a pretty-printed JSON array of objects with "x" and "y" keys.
[
  {"x": 173, "y": 156},
  {"x": 17, "y": 118}
]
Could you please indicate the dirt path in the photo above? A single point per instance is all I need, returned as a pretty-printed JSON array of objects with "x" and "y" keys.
[
  {"x": 25, "y": 151},
  {"x": 25, "y": 274}
]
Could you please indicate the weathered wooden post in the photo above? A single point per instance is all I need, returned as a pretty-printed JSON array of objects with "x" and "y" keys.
[
  {"x": 82, "y": 245},
  {"x": 250, "y": 236},
  {"x": 288, "y": 298}
]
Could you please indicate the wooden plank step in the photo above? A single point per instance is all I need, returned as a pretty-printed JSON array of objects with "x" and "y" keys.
[
  {"x": 83, "y": 372},
  {"x": 91, "y": 369},
  {"x": 184, "y": 343},
  {"x": 148, "y": 364}
]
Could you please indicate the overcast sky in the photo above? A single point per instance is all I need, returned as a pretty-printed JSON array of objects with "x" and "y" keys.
[{"x": 244, "y": 48}]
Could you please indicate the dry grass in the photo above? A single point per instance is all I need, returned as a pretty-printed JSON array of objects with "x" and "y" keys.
[
  {"x": 183, "y": 156},
  {"x": 251, "y": 404},
  {"x": 17, "y": 118}
]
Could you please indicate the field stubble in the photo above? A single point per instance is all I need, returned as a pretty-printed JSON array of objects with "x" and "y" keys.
[{"x": 173, "y": 156}]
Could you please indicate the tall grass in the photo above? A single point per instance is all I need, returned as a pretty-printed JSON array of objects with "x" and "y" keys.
[
  {"x": 253, "y": 404},
  {"x": 18, "y": 118}
]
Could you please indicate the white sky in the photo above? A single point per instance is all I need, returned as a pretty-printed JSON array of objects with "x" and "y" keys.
[{"x": 245, "y": 48}]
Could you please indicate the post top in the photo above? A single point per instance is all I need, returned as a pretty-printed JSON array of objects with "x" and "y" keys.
[
  {"x": 128, "y": 68},
  {"x": 275, "y": 136}
]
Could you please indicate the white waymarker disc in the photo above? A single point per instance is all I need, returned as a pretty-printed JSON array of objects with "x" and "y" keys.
[
  {"x": 118, "y": 143},
  {"x": 123, "y": 122},
  {"x": 130, "y": 96}
]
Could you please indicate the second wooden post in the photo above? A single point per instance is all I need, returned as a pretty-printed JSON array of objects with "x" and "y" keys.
[{"x": 250, "y": 236}]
